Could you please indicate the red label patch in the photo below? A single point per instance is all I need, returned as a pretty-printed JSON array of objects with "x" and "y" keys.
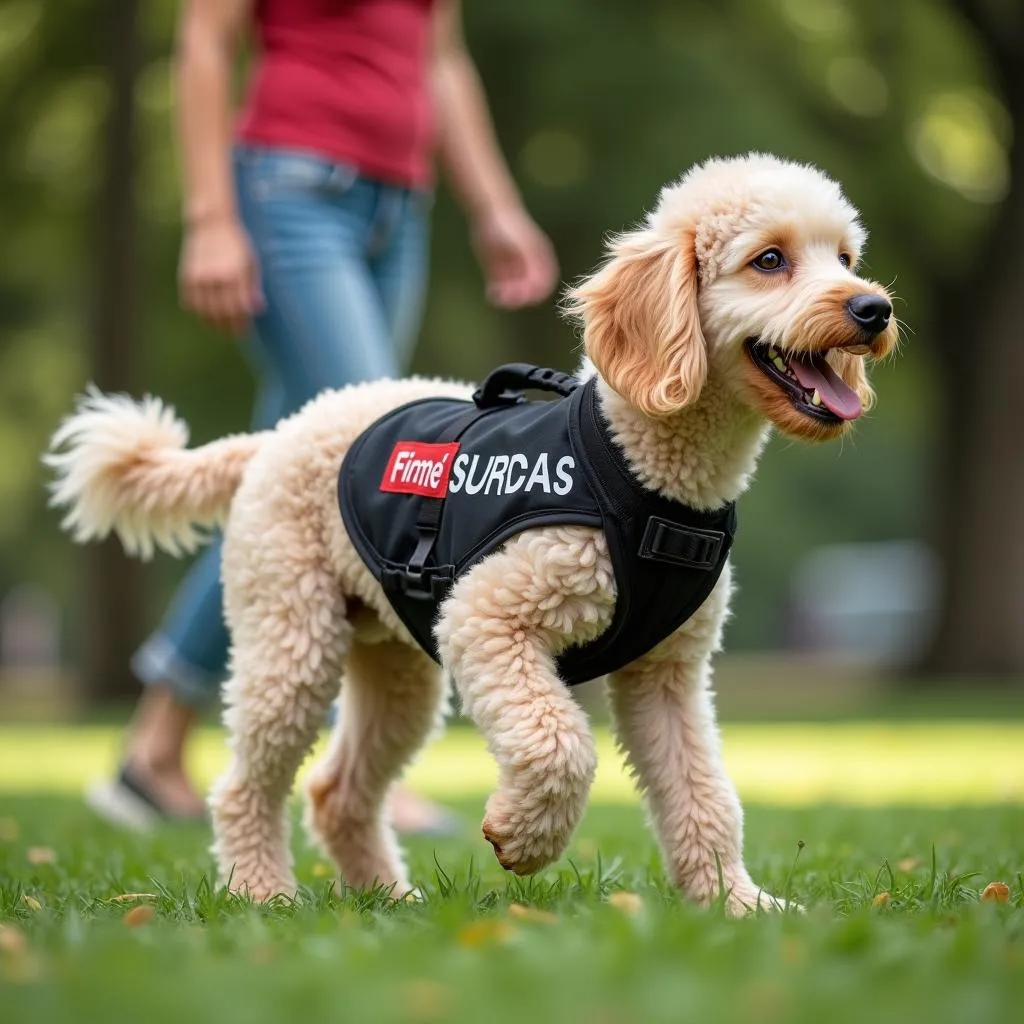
[{"x": 417, "y": 468}]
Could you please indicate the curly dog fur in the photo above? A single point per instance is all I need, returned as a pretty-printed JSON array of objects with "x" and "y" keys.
[{"x": 665, "y": 321}]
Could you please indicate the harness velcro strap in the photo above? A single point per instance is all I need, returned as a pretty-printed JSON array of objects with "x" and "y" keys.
[{"x": 665, "y": 541}]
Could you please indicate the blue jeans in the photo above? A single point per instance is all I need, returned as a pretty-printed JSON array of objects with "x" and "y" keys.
[{"x": 343, "y": 263}]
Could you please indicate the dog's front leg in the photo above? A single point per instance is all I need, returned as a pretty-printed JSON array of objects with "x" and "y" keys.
[
  {"x": 665, "y": 720},
  {"x": 495, "y": 636}
]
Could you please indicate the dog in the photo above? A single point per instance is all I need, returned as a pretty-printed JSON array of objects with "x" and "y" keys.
[{"x": 734, "y": 307}]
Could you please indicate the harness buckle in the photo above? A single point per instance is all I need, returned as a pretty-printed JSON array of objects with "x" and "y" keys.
[
  {"x": 430, "y": 584},
  {"x": 674, "y": 544}
]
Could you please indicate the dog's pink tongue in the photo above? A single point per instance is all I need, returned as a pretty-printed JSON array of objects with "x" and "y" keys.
[{"x": 813, "y": 371}]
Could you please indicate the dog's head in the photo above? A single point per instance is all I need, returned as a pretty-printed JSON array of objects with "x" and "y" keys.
[{"x": 744, "y": 272}]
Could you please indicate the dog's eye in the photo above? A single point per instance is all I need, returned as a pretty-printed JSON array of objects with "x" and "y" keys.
[
  {"x": 770, "y": 259},
  {"x": 844, "y": 259}
]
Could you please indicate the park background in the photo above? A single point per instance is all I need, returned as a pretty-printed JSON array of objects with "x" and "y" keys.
[
  {"x": 871, "y": 692},
  {"x": 899, "y": 552}
]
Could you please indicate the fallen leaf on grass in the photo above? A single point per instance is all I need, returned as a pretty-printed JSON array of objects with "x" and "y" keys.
[
  {"x": 31, "y": 902},
  {"x": 765, "y": 999},
  {"x": 425, "y": 999},
  {"x": 133, "y": 897},
  {"x": 20, "y": 970},
  {"x": 17, "y": 964},
  {"x": 881, "y": 900},
  {"x": 996, "y": 892},
  {"x": 40, "y": 855},
  {"x": 262, "y": 955},
  {"x": 12, "y": 941},
  {"x": 487, "y": 932},
  {"x": 9, "y": 830},
  {"x": 628, "y": 902},
  {"x": 908, "y": 864},
  {"x": 792, "y": 950},
  {"x": 138, "y": 916},
  {"x": 531, "y": 914}
]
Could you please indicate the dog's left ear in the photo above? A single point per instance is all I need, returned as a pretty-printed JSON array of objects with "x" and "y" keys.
[
  {"x": 851, "y": 369},
  {"x": 641, "y": 321}
]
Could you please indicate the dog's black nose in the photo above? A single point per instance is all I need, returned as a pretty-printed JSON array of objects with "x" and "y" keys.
[{"x": 871, "y": 312}]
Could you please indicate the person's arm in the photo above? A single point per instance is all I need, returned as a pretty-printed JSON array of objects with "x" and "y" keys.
[
  {"x": 218, "y": 273},
  {"x": 517, "y": 258}
]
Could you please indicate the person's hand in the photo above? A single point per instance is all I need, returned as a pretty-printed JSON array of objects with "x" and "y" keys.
[
  {"x": 517, "y": 258},
  {"x": 218, "y": 277}
]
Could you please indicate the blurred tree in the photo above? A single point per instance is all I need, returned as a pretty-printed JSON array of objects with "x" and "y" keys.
[
  {"x": 978, "y": 312},
  {"x": 114, "y": 607}
]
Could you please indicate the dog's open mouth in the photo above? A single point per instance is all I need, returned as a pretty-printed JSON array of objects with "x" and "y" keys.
[{"x": 808, "y": 381}]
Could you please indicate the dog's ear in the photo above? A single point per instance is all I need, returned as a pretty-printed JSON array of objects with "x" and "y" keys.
[
  {"x": 851, "y": 368},
  {"x": 641, "y": 322}
]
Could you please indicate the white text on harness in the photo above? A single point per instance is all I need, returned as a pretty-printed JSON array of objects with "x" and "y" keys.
[{"x": 506, "y": 474}]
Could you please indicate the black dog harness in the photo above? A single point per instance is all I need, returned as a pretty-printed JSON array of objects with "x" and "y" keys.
[{"x": 434, "y": 486}]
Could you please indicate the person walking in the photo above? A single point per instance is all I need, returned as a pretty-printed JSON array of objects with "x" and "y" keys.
[{"x": 306, "y": 234}]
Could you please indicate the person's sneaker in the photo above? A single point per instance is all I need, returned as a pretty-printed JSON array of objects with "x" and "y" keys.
[{"x": 127, "y": 802}]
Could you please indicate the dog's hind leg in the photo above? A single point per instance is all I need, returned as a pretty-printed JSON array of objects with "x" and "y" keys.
[
  {"x": 392, "y": 697},
  {"x": 290, "y": 636}
]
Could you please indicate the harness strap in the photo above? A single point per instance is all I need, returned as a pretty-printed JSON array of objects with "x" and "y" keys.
[
  {"x": 503, "y": 387},
  {"x": 428, "y": 521},
  {"x": 636, "y": 526}
]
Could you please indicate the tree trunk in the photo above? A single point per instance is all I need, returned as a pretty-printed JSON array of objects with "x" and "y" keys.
[
  {"x": 978, "y": 337},
  {"x": 114, "y": 606}
]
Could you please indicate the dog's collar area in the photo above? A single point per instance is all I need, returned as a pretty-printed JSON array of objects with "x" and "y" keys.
[
  {"x": 812, "y": 386},
  {"x": 612, "y": 473}
]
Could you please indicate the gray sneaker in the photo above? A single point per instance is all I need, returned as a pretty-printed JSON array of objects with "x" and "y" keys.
[{"x": 125, "y": 801}]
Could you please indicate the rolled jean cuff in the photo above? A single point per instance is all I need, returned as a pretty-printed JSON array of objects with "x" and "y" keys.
[{"x": 158, "y": 663}]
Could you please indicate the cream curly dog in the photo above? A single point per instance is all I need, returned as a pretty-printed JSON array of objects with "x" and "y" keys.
[{"x": 734, "y": 306}]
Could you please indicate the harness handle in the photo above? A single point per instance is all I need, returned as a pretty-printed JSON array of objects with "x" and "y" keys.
[{"x": 505, "y": 384}]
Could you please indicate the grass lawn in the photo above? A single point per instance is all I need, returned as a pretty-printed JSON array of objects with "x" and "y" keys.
[{"x": 864, "y": 800}]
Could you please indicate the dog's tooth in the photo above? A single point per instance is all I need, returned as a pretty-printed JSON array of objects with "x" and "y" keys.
[
  {"x": 772, "y": 352},
  {"x": 780, "y": 363},
  {"x": 815, "y": 398}
]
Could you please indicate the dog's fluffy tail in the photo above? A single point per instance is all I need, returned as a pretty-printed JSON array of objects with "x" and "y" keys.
[{"x": 123, "y": 466}]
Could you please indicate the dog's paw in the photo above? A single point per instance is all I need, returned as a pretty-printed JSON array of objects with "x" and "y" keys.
[
  {"x": 526, "y": 837},
  {"x": 263, "y": 891},
  {"x": 742, "y": 895},
  {"x": 747, "y": 898}
]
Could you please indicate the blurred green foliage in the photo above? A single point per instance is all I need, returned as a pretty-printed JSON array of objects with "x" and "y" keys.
[{"x": 597, "y": 104}]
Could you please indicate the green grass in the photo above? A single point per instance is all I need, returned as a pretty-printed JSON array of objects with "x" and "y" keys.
[{"x": 932, "y": 952}]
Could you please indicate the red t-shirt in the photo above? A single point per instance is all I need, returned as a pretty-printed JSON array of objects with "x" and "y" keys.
[{"x": 348, "y": 79}]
